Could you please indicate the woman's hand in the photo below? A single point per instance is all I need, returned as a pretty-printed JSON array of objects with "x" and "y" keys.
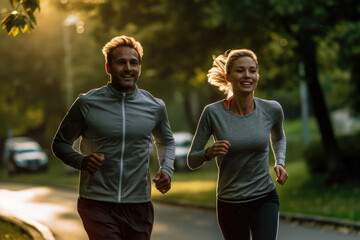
[
  {"x": 218, "y": 148},
  {"x": 281, "y": 174}
]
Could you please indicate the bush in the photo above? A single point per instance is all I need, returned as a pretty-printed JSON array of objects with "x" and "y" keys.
[
  {"x": 350, "y": 150},
  {"x": 350, "y": 155}
]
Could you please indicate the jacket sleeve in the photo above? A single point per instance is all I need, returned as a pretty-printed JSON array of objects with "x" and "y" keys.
[
  {"x": 278, "y": 139},
  {"x": 196, "y": 156},
  {"x": 164, "y": 142},
  {"x": 68, "y": 132}
]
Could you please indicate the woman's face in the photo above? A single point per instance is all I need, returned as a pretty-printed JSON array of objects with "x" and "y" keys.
[{"x": 243, "y": 75}]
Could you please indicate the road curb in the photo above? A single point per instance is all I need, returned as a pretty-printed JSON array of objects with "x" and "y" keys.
[
  {"x": 35, "y": 229},
  {"x": 341, "y": 225}
]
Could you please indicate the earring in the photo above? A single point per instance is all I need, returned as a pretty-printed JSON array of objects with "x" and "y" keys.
[{"x": 226, "y": 77}]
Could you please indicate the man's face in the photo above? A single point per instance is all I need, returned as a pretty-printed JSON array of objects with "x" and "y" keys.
[{"x": 124, "y": 69}]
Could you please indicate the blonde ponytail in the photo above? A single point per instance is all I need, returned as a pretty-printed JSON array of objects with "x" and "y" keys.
[{"x": 216, "y": 75}]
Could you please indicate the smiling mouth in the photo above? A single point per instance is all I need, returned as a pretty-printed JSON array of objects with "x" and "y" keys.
[
  {"x": 128, "y": 76},
  {"x": 246, "y": 83}
]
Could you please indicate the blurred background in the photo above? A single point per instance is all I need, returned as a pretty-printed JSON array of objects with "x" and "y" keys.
[{"x": 309, "y": 56}]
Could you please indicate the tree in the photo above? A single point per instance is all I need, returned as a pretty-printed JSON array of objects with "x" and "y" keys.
[
  {"x": 22, "y": 17},
  {"x": 308, "y": 22},
  {"x": 31, "y": 71},
  {"x": 347, "y": 36},
  {"x": 180, "y": 37}
]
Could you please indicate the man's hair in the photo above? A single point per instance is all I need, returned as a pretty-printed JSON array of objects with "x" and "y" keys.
[{"x": 118, "y": 42}]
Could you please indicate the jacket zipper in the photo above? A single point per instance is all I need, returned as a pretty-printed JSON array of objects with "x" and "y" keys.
[{"x": 122, "y": 147}]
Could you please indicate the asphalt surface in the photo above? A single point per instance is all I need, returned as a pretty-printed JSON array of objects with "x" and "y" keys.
[{"x": 56, "y": 209}]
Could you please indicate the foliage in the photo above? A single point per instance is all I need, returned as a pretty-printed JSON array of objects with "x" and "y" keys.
[
  {"x": 30, "y": 79},
  {"x": 173, "y": 34},
  {"x": 12, "y": 231},
  {"x": 350, "y": 151},
  {"x": 179, "y": 39},
  {"x": 22, "y": 18},
  {"x": 346, "y": 34}
]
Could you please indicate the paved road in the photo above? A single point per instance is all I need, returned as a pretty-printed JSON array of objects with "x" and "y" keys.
[{"x": 56, "y": 208}]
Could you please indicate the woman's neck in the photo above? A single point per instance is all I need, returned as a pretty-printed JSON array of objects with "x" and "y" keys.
[{"x": 242, "y": 105}]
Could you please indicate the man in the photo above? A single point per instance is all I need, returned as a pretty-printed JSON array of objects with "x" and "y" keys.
[{"x": 116, "y": 123}]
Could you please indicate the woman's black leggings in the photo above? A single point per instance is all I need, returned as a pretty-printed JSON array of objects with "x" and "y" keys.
[{"x": 259, "y": 217}]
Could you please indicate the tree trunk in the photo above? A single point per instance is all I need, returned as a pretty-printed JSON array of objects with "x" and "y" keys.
[
  {"x": 356, "y": 80},
  {"x": 307, "y": 51},
  {"x": 191, "y": 105}
]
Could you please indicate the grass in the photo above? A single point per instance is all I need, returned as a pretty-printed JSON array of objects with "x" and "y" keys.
[
  {"x": 10, "y": 231},
  {"x": 302, "y": 193}
]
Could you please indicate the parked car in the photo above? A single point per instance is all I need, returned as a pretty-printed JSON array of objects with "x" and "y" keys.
[
  {"x": 24, "y": 154},
  {"x": 183, "y": 142}
]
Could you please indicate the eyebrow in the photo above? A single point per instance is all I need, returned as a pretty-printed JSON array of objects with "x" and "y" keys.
[
  {"x": 130, "y": 59},
  {"x": 245, "y": 67}
]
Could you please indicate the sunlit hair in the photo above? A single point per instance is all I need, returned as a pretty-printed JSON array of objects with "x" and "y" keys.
[
  {"x": 222, "y": 65},
  {"x": 216, "y": 75},
  {"x": 118, "y": 42}
]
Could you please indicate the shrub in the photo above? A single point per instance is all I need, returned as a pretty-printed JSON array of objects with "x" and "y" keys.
[{"x": 349, "y": 146}]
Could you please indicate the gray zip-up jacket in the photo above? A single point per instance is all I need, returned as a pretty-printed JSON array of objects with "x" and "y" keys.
[{"x": 121, "y": 126}]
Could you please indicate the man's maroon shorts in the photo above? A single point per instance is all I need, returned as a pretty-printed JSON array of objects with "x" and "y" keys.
[{"x": 115, "y": 221}]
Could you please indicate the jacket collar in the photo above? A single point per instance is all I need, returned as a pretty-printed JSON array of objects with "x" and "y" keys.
[{"x": 116, "y": 93}]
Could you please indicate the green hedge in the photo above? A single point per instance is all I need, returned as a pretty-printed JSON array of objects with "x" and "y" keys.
[{"x": 350, "y": 155}]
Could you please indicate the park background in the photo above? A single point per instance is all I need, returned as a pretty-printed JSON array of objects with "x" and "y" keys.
[{"x": 309, "y": 56}]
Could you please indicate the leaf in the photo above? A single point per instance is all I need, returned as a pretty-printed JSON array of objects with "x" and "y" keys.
[
  {"x": 16, "y": 22},
  {"x": 24, "y": 28},
  {"x": 14, "y": 31},
  {"x": 14, "y": 3},
  {"x": 8, "y": 22},
  {"x": 5, "y": 21},
  {"x": 31, "y": 6},
  {"x": 29, "y": 24},
  {"x": 31, "y": 16}
]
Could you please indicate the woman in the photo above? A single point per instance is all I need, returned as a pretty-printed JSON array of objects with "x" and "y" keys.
[{"x": 241, "y": 125}]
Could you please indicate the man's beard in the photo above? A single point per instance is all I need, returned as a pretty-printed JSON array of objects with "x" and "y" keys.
[{"x": 121, "y": 84}]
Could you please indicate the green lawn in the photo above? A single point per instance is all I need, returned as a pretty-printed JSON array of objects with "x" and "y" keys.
[
  {"x": 13, "y": 232},
  {"x": 302, "y": 193}
]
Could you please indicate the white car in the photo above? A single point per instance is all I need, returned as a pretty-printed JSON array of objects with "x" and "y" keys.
[
  {"x": 182, "y": 146},
  {"x": 24, "y": 154}
]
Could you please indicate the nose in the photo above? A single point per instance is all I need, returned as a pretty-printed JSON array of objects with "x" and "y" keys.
[
  {"x": 246, "y": 73},
  {"x": 127, "y": 66}
]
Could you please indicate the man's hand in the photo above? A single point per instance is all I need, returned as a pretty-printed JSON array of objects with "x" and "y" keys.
[
  {"x": 281, "y": 174},
  {"x": 162, "y": 182},
  {"x": 218, "y": 148},
  {"x": 93, "y": 162}
]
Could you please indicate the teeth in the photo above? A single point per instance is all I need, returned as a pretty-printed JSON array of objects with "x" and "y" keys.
[{"x": 245, "y": 83}]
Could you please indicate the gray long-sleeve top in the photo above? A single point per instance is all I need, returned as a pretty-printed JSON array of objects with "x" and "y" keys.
[
  {"x": 244, "y": 170},
  {"x": 121, "y": 126}
]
